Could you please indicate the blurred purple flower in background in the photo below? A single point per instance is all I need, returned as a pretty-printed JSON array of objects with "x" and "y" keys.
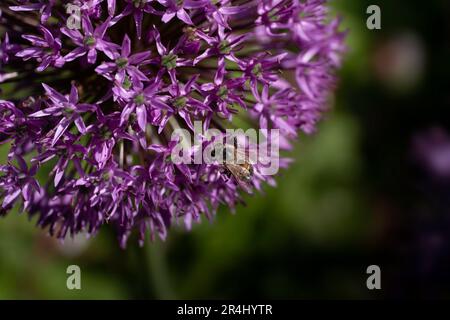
[
  {"x": 432, "y": 151},
  {"x": 101, "y": 103}
]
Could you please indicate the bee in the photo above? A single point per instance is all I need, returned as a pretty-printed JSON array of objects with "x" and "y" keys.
[{"x": 242, "y": 172}]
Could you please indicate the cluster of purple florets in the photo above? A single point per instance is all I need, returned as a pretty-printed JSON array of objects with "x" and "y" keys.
[{"x": 87, "y": 113}]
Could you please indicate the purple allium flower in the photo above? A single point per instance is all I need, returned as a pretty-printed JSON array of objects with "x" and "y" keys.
[
  {"x": 5, "y": 49},
  {"x": 43, "y": 6},
  {"x": 66, "y": 108},
  {"x": 90, "y": 41},
  {"x": 100, "y": 127},
  {"x": 124, "y": 64},
  {"x": 136, "y": 8},
  {"x": 178, "y": 9},
  {"x": 46, "y": 50}
]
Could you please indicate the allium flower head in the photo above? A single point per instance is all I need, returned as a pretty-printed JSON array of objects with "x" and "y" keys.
[{"x": 93, "y": 108}]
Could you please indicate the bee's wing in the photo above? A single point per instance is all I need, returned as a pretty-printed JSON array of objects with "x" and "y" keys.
[
  {"x": 236, "y": 172},
  {"x": 241, "y": 156}
]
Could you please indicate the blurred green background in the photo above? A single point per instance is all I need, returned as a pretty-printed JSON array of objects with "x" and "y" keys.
[{"x": 353, "y": 197}]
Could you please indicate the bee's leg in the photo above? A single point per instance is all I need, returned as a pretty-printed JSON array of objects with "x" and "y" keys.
[{"x": 226, "y": 174}]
